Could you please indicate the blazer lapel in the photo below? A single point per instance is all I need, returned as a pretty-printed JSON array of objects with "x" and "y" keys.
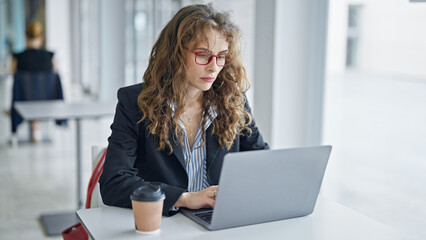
[
  {"x": 212, "y": 147},
  {"x": 177, "y": 150}
]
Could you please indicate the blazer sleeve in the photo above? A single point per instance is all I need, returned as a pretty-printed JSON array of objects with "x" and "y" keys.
[
  {"x": 119, "y": 177},
  {"x": 254, "y": 140}
]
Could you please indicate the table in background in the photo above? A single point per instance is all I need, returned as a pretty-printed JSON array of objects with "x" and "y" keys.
[
  {"x": 54, "y": 224},
  {"x": 329, "y": 221}
]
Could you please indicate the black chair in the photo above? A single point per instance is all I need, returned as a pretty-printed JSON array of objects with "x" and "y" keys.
[{"x": 34, "y": 86}]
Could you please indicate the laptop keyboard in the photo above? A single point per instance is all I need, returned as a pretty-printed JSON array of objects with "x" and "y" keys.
[{"x": 206, "y": 216}]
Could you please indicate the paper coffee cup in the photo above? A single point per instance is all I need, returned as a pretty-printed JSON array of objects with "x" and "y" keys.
[{"x": 147, "y": 204}]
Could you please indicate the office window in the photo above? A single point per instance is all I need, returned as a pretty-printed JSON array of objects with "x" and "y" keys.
[
  {"x": 144, "y": 21},
  {"x": 14, "y": 16},
  {"x": 5, "y": 38},
  {"x": 87, "y": 47},
  {"x": 352, "y": 43}
]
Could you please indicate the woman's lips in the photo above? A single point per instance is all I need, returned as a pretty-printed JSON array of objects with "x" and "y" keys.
[{"x": 208, "y": 79}]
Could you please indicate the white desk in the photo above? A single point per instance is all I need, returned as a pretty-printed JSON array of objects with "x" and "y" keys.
[
  {"x": 58, "y": 109},
  {"x": 329, "y": 221}
]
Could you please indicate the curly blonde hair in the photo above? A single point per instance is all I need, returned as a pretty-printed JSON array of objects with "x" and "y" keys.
[{"x": 165, "y": 79}]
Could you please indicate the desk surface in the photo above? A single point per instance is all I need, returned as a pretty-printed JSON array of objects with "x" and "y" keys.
[
  {"x": 58, "y": 109},
  {"x": 329, "y": 221}
]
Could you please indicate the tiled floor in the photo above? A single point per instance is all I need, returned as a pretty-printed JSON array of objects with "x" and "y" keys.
[
  {"x": 378, "y": 166},
  {"x": 40, "y": 178}
]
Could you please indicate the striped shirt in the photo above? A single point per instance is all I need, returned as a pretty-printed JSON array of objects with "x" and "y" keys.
[{"x": 195, "y": 158}]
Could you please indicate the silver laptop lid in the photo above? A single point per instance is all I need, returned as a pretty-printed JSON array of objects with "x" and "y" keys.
[{"x": 268, "y": 185}]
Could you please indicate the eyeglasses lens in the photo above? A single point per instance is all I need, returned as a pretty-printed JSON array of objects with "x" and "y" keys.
[{"x": 205, "y": 58}]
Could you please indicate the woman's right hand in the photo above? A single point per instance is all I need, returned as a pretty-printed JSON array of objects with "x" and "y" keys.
[{"x": 196, "y": 200}]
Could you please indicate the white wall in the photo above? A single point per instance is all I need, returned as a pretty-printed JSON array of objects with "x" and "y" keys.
[
  {"x": 243, "y": 14},
  {"x": 112, "y": 50},
  {"x": 289, "y": 70},
  {"x": 264, "y": 66},
  {"x": 393, "y": 40},
  {"x": 336, "y": 37}
]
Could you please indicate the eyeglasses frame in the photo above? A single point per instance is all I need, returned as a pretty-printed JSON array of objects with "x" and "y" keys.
[{"x": 210, "y": 58}]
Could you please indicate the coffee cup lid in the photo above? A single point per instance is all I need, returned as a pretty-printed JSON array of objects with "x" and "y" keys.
[{"x": 148, "y": 193}]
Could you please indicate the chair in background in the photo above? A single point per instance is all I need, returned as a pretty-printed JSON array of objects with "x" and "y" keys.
[
  {"x": 34, "y": 86},
  {"x": 94, "y": 198}
]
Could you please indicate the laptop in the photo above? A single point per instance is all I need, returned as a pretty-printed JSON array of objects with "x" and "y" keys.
[{"x": 264, "y": 186}]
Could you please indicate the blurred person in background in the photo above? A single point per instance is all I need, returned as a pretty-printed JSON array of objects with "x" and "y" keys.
[{"x": 34, "y": 59}]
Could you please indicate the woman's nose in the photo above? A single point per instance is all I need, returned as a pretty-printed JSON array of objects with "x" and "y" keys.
[{"x": 212, "y": 66}]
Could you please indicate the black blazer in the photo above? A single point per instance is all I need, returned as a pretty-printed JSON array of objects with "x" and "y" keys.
[{"x": 133, "y": 160}]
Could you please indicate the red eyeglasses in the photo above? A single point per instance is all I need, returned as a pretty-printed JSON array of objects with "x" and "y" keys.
[{"x": 204, "y": 58}]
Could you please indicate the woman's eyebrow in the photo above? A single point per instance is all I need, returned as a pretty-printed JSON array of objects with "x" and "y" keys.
[{"x": 205, "y": 49}]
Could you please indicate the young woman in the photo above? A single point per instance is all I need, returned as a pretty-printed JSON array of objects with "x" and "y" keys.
[{"x": 175, "y": 128}]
